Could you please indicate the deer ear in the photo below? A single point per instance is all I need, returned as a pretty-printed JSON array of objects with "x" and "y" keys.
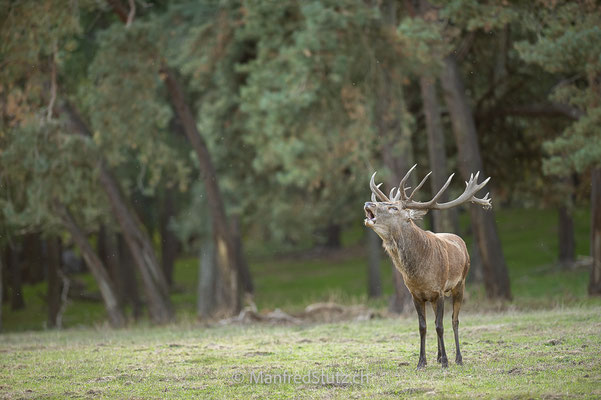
[{"x": 417, "y": 214}]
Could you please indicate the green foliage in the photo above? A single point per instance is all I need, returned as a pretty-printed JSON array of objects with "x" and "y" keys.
[
  {"x": 128, "y": 114},
  {"x": 472, "y": 15},
  {"x": 568, "y": 44},
  {"x": 42, "y": 165},
  {"x": 32, "y": 29},
  {"x": 41, "y": 162},
  {"x": 290, "y": 91}
]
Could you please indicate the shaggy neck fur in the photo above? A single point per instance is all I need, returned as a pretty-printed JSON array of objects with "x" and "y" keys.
[{"x": 407, "y": 246}]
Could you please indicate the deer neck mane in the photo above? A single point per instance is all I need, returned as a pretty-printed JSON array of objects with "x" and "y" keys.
[{"x": 408, "y": 246}]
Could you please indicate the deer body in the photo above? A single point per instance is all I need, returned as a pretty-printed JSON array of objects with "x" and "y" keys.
[
  {"x": 433, "y": 265},
  {"x": 430, "y": 263}
]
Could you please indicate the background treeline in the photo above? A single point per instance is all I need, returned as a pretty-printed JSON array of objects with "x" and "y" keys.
[{"x": 133, "y": 131}]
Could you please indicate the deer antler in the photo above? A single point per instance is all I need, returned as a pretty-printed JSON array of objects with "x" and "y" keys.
[
  {"x": 471, "y": 188},
  {"x": 375, "y": 189},
  {"x": 401, "y": 195}
]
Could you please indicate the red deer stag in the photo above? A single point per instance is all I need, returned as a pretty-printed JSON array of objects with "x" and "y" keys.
[{"x": 432, "y": 264}]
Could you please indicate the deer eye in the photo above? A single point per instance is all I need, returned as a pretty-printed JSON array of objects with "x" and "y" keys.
[{"x": 393, "y": 208}]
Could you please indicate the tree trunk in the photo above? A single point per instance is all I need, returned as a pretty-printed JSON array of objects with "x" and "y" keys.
[
  {"x": 17, "y": 301},
  {"x": 169, "y": 243},
  {"x": 594, "y": 288},
  {"x": 32, "y": 258},
  {"x": 127, "y": 278},
  {"x": 140, "y": 246},
  {"x": 566, "y": 237},
  {"x": 230, "y": 269},
  {"x": 155, "y": 284},
  {"x": 475, "y": 273},
  {"x": 206, "y": 296},
  {"x": 245, "y": 275},
  {"x": 496, "y": 276},
  {"x": 112, "y": 261},
  {"x": 444, "y": 221},
  {"x": 374, "y": 250},
  {"x": 107, "y": 289},
  {"x": 53, "y": 261}
]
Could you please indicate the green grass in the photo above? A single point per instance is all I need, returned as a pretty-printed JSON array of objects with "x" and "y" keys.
[
  {"x": 535, "y": 354},
  {"x": 529, "y": 240}
]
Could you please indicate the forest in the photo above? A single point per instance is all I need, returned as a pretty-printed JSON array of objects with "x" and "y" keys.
[
  {"x": 183, "y": 188},
  {"x": 138, "y": 137}
]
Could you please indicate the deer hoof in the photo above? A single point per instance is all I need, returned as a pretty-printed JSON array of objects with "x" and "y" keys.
[
  {"x": 458, "y": 360},
  {"x": 421, "y": 364},
  {"x": 444, "y": 362}
]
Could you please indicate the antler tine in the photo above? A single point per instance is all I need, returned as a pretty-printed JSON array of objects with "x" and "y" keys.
[
  {"x": 375, "y": 188},
  {"x": 391, "y": 195},
  {"x": 485, "y": 202},
  {"x": 419, "y": 186},
  {"x": 442, "y": 189},
  {"x": 471, "y": 188},
  {"x": 403, "y": 181}
]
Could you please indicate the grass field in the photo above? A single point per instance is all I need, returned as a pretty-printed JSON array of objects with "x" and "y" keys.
[{"x": 538, "y": 354}]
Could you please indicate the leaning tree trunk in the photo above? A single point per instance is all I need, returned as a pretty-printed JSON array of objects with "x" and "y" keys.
[
  {"x": 107, "y": 289},
  {"x": 226, "y": 257},
  {"x": 374, "y": 258},
  {"x": 594, "y": 287},
  {"x": 53, "y": 261},
  {"x": 496, "y": 276},
  {"x": 109, "y": 254},
  {"x": 127, "y": 278},
  {"x": 169, "y": 243},
  {"x": 444, "y": 221},
  {"x": 140, "y": 246}
]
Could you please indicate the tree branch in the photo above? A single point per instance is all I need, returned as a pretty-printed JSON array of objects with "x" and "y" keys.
[
  {"x": 545, "y": 110},
  {"x": 132, "y": 13}
]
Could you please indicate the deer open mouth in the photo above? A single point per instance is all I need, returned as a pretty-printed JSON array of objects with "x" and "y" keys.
[{"x": 370, "y": 216}]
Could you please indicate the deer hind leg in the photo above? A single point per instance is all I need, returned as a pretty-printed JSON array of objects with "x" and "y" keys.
[
  {"x": 420, "y": 307},
  {"x": 438, "y": 354},
  {"x": 440, "y": 330},
  {"x": 457, "y": 299}
]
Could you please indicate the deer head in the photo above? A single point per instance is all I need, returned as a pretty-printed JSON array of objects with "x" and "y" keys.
[{"x": 385, "y": 214}]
